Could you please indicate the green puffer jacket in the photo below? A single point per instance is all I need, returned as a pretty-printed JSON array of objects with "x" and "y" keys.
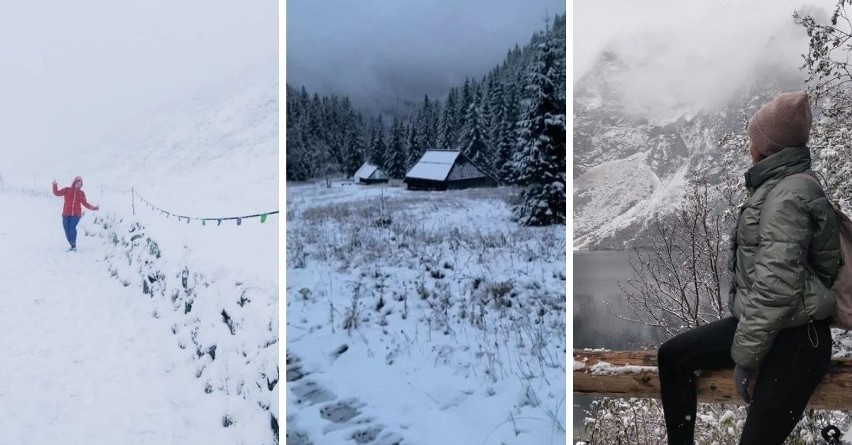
[{"x": 784, "y": 255}]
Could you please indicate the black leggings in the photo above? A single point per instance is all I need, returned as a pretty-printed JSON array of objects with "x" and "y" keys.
[{"x": 787, "y": 378}]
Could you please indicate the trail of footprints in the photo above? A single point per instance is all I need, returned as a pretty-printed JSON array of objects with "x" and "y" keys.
[{"x": 342, "y": 414}]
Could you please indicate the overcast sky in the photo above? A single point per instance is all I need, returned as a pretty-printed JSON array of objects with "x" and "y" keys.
[
  {"x": 689, "y": 51},
  {"x": 403, "y": 49},
  {"x": 72, "y": 71}
]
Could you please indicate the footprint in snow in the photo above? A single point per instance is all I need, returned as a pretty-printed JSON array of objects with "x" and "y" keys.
[
  {"x": 343, "y": 414},
  {"x": 298, "y": 438},
  {"x": 375, "y": 436},
  {"x": 294, "y": 369},
  {"x": 310, "y": 393},
  {"x": 340, "y": 412},
  {"x": 367, "y": 436}
]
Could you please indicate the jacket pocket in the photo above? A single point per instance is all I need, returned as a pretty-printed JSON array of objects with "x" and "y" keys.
[{"x": 819, "y": 301}]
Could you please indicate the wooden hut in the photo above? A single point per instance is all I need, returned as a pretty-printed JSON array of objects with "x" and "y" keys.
[
  {"x": 446, "y": 170},
  {"x": 370, "y": 174}
]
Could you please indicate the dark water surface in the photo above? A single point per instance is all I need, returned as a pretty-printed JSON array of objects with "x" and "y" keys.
[{"x": 597, "y": 296}]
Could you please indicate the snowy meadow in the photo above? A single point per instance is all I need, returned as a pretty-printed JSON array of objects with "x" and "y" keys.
[{"x": 422, "y": 317}]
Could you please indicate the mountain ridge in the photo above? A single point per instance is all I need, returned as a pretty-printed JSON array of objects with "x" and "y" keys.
[{"x": 631, "y": 165}]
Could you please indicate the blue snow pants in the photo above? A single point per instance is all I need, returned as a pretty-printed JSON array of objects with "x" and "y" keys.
[{"x": 69, "y": 223}]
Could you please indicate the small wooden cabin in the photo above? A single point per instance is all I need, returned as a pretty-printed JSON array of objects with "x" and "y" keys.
[
  {"x": 370, "y": 174},
  {"x": 446, "y": 170}
]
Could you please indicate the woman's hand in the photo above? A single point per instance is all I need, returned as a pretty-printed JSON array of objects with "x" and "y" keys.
[{"x": 742, "y": 375}]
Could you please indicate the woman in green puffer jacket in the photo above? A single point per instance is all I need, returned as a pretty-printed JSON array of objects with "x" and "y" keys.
[{"x": 785, "y": 254}]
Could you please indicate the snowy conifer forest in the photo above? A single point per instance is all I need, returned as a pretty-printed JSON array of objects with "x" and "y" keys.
[
  {"x": 509, "y": 122},
  {"x": 427, "y": 317}
]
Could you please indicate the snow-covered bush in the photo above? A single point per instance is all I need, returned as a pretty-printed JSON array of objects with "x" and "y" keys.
[
  {"x": 641, "y": 422},
  {"x": 228, "y": 328}
]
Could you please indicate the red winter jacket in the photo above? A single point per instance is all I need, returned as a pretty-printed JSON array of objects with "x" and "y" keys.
[{"x": 74, "y": 198}]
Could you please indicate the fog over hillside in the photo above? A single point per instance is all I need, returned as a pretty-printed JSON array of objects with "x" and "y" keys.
[
  {"x": 654, "y": 95},
  {"x": 75, "y": 71},
  {"x": 697, "y": 55}
]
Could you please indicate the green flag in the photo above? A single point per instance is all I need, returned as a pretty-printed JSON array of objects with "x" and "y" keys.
[{"x": 263, "y": 218}]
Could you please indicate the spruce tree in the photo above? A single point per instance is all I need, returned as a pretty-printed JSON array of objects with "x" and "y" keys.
[
  {"x": 447, "y": 131},
  {"x": 354, "y": 148},
  {"x": 473, "y": 136},
  {"x": 423, "y": 122},
  {"x": 371, "y": 144},
  {"x": 415, "y": 150},
  {"x": 542, "y": 139},
  {"x": 378, "y": 152},
  {"x": 486, "y": 114},
  {"x": 431, "y": 140},
  {"x": 298, "y": 163},
  {"x": 428, "y": 125},
  {"x": 497, "y": 106},
  {"x": 316, "y": 147},
  {"x": 507, "y": 141},
  {"x": 462, "y": 109},
  {"x": 396, "y": 158}
]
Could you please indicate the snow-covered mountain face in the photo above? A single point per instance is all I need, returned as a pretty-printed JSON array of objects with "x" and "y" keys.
[
  {"x": 635, "y": 146},
  {"x": 221, "y": 143}
]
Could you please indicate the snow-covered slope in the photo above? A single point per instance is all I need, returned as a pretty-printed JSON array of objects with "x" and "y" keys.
[
  {"x": 609, "y": 205},
  {"x": 212, "y": 155},
  {"x": 208, "y": 294},
  {"x": 631, "y": 163},
  {"x": 219, "y": 148},
  {"x": 84, "y": 360}
]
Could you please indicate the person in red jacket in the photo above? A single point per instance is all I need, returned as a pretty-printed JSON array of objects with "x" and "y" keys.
[{"x": 71, "y": 211}]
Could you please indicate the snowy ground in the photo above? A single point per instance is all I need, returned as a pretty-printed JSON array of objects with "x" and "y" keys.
[
  {"x": 437, "y": 321},
  {"x": 84, "y": 361},
  {"x": 172, "y": 334}
]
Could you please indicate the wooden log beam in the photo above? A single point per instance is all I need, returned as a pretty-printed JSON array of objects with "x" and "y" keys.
[{"x": 629, "y": 374}]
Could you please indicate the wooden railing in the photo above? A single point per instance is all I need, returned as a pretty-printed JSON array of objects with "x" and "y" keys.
[{"x": 629, "y": 374}]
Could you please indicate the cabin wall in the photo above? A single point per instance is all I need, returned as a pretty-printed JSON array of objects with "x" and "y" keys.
[
  {"x": 373, "y": 181},
  {"x": 463, "y": 170},
  {"x": 379, "y": 175},
  {"x": 424, "y": 184},
  {"x": 470, "y": 183}
]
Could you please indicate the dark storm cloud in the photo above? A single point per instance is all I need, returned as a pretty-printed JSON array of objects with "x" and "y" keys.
[{"x": 388, "y": 50}]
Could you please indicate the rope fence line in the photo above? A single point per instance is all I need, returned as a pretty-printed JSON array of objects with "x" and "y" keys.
[{"x": 239, "y": 219}]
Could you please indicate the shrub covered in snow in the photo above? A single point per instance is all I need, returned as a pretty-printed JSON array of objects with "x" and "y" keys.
[
  {"x": 641, "y": 422},
  {"x": 228, "y": 328}
]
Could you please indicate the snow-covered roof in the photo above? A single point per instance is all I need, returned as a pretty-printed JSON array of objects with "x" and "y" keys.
[
  {"x": 440, "y": 156},
  {"x": 366, "y": 171},
  {"x": 435, "y": 165}
]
